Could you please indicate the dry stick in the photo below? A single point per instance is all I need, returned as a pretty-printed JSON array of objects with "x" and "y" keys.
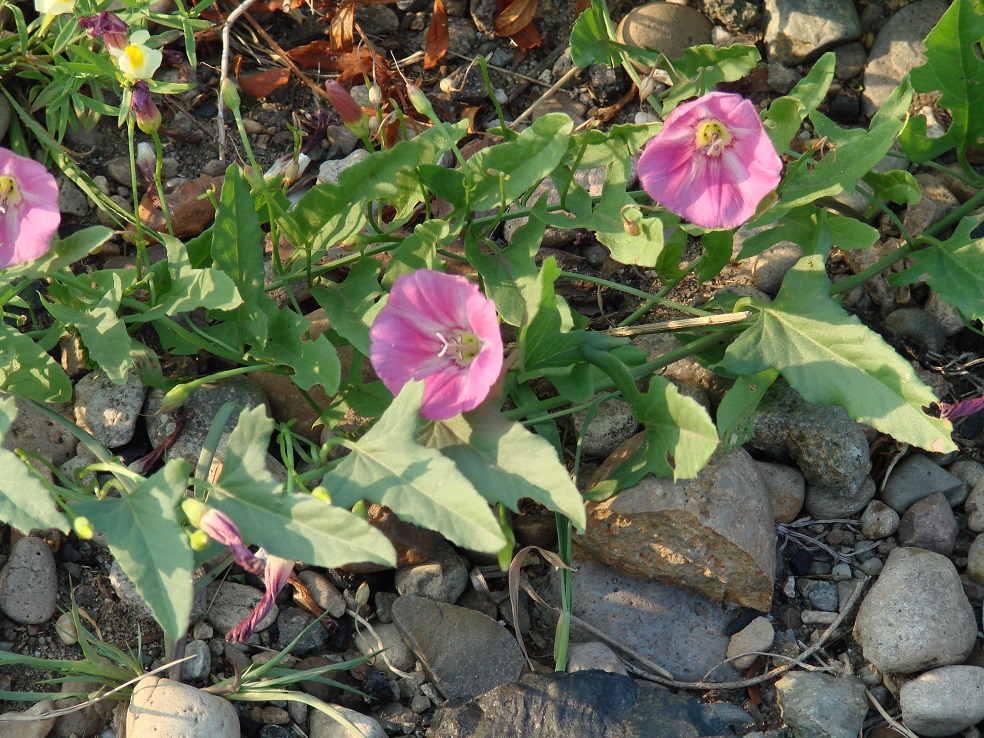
[
  {"x": 888, "y": 718},
  {"x": 742, "y": 683},
  {"x": 546, "y": 95},
  {"x": 379, "y": 642},
  {"x": 224, "y": 69},
  {"x": 680, "y": 324}
]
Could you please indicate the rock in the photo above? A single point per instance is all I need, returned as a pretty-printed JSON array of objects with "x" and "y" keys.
[
  {"x": 943, "y": 701},
  {"x": 164, "y": 707},
  {"x": 443, "y": 577},
  {"x": 378, "y": 20},
  {"x": 464, "y": 652},
  {"x": 916, "y": 477},
  {"x": 680, "y": 630},
  {"x": 200, "y": 665},
  {"x": 231, "y": 603},
  {"x": 324, "y": 726},
  {"x": 781, "y": 79},
  {"x": 665, "y": 27},
  {"x": 916, "y": 615},
  {"x": 324, "y": 593},
  {"x": 898, "y": 48},
  {"x": 787, "y": 488},
  {"x": 127, "y": 592},
  {"x": 936, "y": 201},
  {"x": 191, "y": 210},
  {"x": 944, "y": 313},
  {"x": 755, "y": 637},
  {"x": 821, "y": 595},
  {"x": 612, "y": 424},
  {"x": 714, "y": 534},
  {"x": 119, "y": 169},
  {"x": 71, "y": 200},
  {"x": 399, "y": 655},
  {"x": 205, "y": 402},
  {"x": 28, "y": 728},
  {"x": 929, "y": 524},
  {"x": 291, "y": 622},
  {"x": 878, "y": 521},
  {"x": 800, "y": 30},
  {"x": 770, "y": 267},
  {"x": 974, "y": 508},
  {"x": 586, "y": 704},
  {"x": 735, "y": 15},
  {"x": 107, "y": 410},
  {"x": 594, "y": 655},
  {"x": 851, "y": 59},
  {"x": 975, "y": 559},
  {"x": 330, "y": 170},
  {"x": 822, "y": 706},
  {"x": 29, "y": 582},
  {"x": 685, "y": 370},
  {"x": 35, "y": 432}
]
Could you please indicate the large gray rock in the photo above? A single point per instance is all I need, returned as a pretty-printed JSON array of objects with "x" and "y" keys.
[
  {"x": 161, "y": 707},
  {"x": 109, "y": 411},
  {"x": 34, "y": 431},
  {"x": 897, "y": 49},
  {"x": 943, "y": 701},
  {"x": 612, "y": 424},
  {"x": 917, "y": 477},
  {"x": 666, "y": 27},
  {"x": 929, "y": 524},
  {"x": 714, "y": 534},
  {"x": 916, "y": 616},
  {"x": 29, "y": 582},
  {"x": 800, "y": 30},
  {"x": 464, "y": 651},
  {"x": 324, "y": 726},
  {"x": 822, "y": 706}
]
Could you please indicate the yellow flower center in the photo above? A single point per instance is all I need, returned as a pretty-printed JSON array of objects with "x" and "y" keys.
[
  {"x": 135, "y": 54},
  {"x": 462, "y": 346},
  {"x": 9, "y": 195},
  {"x": 712, "y": 137}
]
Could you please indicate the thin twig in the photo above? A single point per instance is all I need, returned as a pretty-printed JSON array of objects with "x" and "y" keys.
[
  {"x": 546, "y": 95},
  {"x": 680, "y": 324},
  {"x": 888, "y": 718},
  {"x": 224, "y": 70}
]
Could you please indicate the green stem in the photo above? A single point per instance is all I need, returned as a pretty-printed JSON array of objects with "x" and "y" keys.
[
  {"x": 159, "y": 151},
  {"x": 140, "y": 241}
]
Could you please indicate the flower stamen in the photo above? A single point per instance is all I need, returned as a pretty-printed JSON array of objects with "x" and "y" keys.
[
  {"x": 712, "y": 137},
  {"x": 9, "y": 195},
  {"x": 462, "y": 346}
]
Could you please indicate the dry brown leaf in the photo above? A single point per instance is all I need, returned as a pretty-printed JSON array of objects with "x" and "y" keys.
[
  {"x": 469, "y": 114},
  {"x": 436, "y": 45},
  {"x": 526, "y": 37},
  {"x": 259, "y": 84},
  {"x": 342, "y": 32},
  {"x": 580, "y": 6},
  {"x": 515, "y": 17}
]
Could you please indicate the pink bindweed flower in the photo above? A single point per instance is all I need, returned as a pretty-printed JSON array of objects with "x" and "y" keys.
[
  {"x": 275, "y": 575},
  {"x": 438, "y": 328},
  {"x": 29, "y": 215},
  {"x": 144, "y": 108},
  {"x": 351, "y": 113},
  {"x": 712, "y": 163},
  {"x": 109, "y": 27},
  {"x": 220, "y": 527}
]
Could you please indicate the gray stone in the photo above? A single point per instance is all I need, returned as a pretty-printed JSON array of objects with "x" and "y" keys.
[
  {"x": 735, "y": 15},
  {"x": 770, "y": 267},
  {"x": 916, "y": 477},
  {"x": 71, "y": 200},
  {"x": 33, "y": 431},
  {"x": 390, "y": 641},
  {"x": 787, "y": 488},
  {"x": 612, "y": 424},
  {"x": 680, "y": 630},
  {"x": 782, "y": 79},
  {"x": 685, "y": 370},
  {"x": 944, "y": 313},
  {"x": 898, "y": 48},
  {"x": 378, "y": 20},
  {"x": 822, "y": 706},
  {"x": 594, "y": 655},
  {"x": 119, "y": 169},
  {"x": 936, "y": 201},
  {"x": 975, "y": 559},
  {"x": 943, "y": 701},
  {"x": 821, "y": 595},
  {"x": 231, "y": 603},
  {"x": 916, "y": 615},
  {"x": 205, "y": 402},
  {"x": 107, "y": 410},
  {"x": 918, "y": 328},
  {"x": 461, "y": 35},
  {"x": 167, "y": 708},
  {"x": 465, "y": 652},
  {"x": 29, "y": 582},
  {"x": 665, "y": 27},
  {"x": 443, "y": 577},
  {"x": 800, "y": 30},
  {"x": 851, "y": 59},
  {"x": 827, "y": 503},
  {"x": 323, "y": 592},
  {"x": 199, "y": 666},
  {"x": 754, "y": 638},
  {"x": 291, "y": 622},
  {"x": 28, "y": 728},
  {"x": 929, "y": 524},
  {"x": 878, "y": 521},
  {"x": 127, "y": 591},
  {"x": 974, "y": 508},
  {"x": 330, "y": 170},
  {"x": 714, "y": 534},
  {"x": 324, "y": 726}
]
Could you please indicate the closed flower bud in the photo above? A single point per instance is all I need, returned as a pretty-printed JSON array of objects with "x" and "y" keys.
[
  {"x": 351, "y": 113},
  {"x": 230, "y": 94},
  {"x": 144, "y": 109},
  {"x": 109, "y": 27},
  {"x": 419, "y": 100}
]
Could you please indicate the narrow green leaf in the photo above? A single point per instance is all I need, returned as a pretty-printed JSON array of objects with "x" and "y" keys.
[
  {"x": 25, "y": 503},
  {"x": 736, "y": 413},
  {"x": 28, "y": 371},
  {"x": 387, "y": 466},
  {"x": 898, "y": 186},
  {"x": 831, "y": 358},
  {"x": 505, "y": 462},
  {"x": 150, "y": 545},
  {"x": 718, "y": 246}
]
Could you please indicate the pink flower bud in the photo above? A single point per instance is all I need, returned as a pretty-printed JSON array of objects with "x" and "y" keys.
[
  {"x": 352, "y": 115},
  {"x": 143, "y": 107}
]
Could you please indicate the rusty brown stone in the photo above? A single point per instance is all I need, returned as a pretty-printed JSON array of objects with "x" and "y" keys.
[{"x": 413, "y": 544}]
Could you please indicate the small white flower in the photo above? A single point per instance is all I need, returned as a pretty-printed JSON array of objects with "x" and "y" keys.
[
  {"x": 139, "y": 61},
  {"x": 54, "y": 7}
]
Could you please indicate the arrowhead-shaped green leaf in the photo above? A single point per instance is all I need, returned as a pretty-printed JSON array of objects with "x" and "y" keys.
[{"x": 27, "y": 370}]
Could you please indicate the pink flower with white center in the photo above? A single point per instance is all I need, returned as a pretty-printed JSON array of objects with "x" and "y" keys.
[
  {"x": 712, "y": 163},
  {"x": 275, "y": 576},
  {"x": 438, "y": 328},
  {"x": 29, "y": 215}
]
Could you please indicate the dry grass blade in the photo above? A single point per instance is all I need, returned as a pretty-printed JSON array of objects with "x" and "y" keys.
[{"x": 515, "y": 575}]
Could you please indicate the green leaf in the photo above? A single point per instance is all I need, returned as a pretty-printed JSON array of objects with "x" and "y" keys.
[
  {"x": 431, "y": 145},
  {"x": 591, "y": 42},
  {"x": 718, "y": 246},
  {"x": 801, "y": 226},
  {"x": 313, "y": 362},
  {"x": 599, "y": 147},
  {"x": 292, "y": 526},
  {"x": 419, "y": 249},
  {"x": 144, "y": 536},
  {"x": 505, "y": 462},
  {"x": 831, "y": 358},
  {"x": 786, "y": 114},
  {"x": 702, "y": 68},
  {"x": 898, "y": 186},
  {"x": 952, "y": 269},
  {"x": 25, "y": 503},
  {"x": 421, "y": 485},
  {"x": 350, "y": 304},
  {"x": 509, "y": 169},
  {"x": 736, "y": 413},
  {"x": 28, "y": 371},
  {"x": 954, "y": 67},
  {"x": 510, "y": 271}
]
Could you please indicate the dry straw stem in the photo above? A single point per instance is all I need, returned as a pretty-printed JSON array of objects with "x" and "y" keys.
[{"x": 681, "y": 324}]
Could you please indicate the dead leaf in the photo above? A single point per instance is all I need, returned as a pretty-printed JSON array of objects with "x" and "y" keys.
[
  {"x": 259, "y": 84},
  {"x": 516, "y": 16},
  {"x": 469, "y": 113},
  {"x": 580, "y": 6},
  {"x": 527, "y": 37},
  {"x": 342, "y": 32},
  {"x": 436, "y": 45}
]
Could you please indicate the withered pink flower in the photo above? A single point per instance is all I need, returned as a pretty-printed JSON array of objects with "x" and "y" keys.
[
  {"x": 109, "y": 27},
  {"x": 275, "y": 576},
  {"x": 221, "y": 528},
  {"x": 961, "y": 409},
  {"x": 712, "y": 163},
  {"x": 438, "y": 328},
  {"x": 351, "y": 113},
  {"x": 29, "y": 215}
]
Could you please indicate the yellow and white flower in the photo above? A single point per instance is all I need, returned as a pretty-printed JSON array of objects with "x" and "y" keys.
[
  {"x": 139, "y": 61},
  {"x": 54, "y": 7}
]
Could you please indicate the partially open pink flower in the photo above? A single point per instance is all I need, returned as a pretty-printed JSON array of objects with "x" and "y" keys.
[
  {"x": 712, "y": 163},
  {"x": 220, "y": 527},
  {"x": 351, "y": 113},
  {"x": 275, "y": 577},
  {"x": 438, "y": 328},
  {"x": 29, "y": 215},
  {"x": 144, "y": 108}
]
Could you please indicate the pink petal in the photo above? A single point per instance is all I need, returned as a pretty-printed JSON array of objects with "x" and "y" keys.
[
  {"x": 275, "y": 575},
  {"x": 27, "y": 228},
  {"x": 961, "y": 409}
]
